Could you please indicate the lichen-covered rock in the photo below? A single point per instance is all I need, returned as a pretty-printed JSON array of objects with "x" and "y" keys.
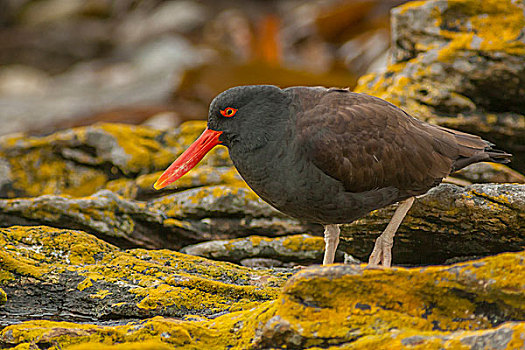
[
  {"x": 449, "y": 221},
  {"x": 123, "y": 222},
  {"x": 474, "y": 305},
  {"x": 172, "y": 221},
  {"x": 489, "y": 173},
  {"x": 459, "y": 63},
  {"x": 379, "y": 309},
  {"x": 297, "y": 249},
  {"x": 81, "y": 161},
  {"x": 71, "y": 275},
  {"x": 141, "y": 188}
]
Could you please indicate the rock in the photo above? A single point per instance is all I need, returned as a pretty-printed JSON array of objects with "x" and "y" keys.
[
  {"x": 296, "y": 249},
  {"x": 141, "y": 187},
  {"x": 262, "y": 262},
  {"x": 376, "y": 309},
  {"x": 460, "y": 64},
  {"x": 70, "y": 275},
  {"x": 173, "y": 221},
  {"x": 49, "y": 11},
  {"x": 489, "y": 172},
  {"x": 127, "y": 160},
  {"x": 449, "y": 221},
  {"x": 81, "y": 161},
  {"x": 474, "y": 305}
]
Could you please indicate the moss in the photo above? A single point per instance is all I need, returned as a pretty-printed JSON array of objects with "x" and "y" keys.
[
  {"x": 410, "y": 5},
  {"x": 20, "y": 265},
  {"x": 190, "y": 131},
  {"x": 100, "y": 294},
  {"x": 157, "y": 331},
  {"x": 197, "y": 201},
  {"x": 86, "y": 283},
  {"x": 433, "y": 298},
  {"x": 201, "y": 175},
  {"x": 470, "y": 33}
]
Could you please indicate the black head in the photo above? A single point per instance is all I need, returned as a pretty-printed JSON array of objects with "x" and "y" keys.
[{"x": 248, "y": 115}]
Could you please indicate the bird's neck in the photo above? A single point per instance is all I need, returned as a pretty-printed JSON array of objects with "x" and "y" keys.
[{"x": 261, "y": 138}]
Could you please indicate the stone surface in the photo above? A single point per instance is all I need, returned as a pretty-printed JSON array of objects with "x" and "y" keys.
[
  {"x": 490, "y": 217},
  {"x": 70, "y": 275},
  {"x": 459, "y": 64},
  {"x": 173, "y": 221},
  {"x": 449, "y": 221},
  {"x": 295, "y": 249},
  {"x": 80, "y": 161},
  {"x": 474, "y": 305},
  {"x": 489, "y": 173},
  {"x": 380, "y": 309}
]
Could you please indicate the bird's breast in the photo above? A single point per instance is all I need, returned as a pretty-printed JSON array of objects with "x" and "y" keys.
[{"x": 284, "y": 177}]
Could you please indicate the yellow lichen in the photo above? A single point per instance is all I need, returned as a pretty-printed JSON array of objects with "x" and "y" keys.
[
  {"x": 163, "y": 280},
  {"x": 100, "y": 294},
  {"x": 466, "y": 28},
  {"x": 86, "y": 283},
  {"x": 140, "y": 145},
  {"x": 141, "y": 345},
  {"x": 42, "y": 165},
  {"x": 3, "y": 296},
  {"x": 351, "y": 307},
  {"x": 298, "y": 243},
  {"x": 497, "y": 23}
]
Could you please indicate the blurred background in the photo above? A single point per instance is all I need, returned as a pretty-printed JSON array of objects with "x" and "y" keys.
[{"x": 66, "y": 63}]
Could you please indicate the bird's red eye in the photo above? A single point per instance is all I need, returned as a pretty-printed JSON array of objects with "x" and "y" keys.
[{"x": 229, "y": 112}]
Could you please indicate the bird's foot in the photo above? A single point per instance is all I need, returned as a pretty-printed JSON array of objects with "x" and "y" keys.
[{"x": 382, "y": 253}]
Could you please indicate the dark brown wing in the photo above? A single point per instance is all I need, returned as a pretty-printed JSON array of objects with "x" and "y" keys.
[{"x": 367, "y": 143}]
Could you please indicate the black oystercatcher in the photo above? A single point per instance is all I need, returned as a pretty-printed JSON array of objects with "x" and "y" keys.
[{"x": 330, "y": 155}]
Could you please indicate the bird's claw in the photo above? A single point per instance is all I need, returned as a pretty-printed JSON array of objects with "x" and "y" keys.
[{"x": 381, "y": 255}]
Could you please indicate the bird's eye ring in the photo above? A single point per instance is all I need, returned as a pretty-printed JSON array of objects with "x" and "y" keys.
[{"x": 228, "y": 112}]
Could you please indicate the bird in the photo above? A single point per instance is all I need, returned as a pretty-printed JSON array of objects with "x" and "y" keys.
[{"x": 331, "y": 156}]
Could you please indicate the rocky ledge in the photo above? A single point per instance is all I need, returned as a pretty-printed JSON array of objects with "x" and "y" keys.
[
  {"x": 460, "y": 64},
  {"x": 163, "y": 299}
]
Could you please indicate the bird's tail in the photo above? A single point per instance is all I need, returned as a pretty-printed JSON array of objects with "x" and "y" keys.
[{"x": 473, "y": 149}]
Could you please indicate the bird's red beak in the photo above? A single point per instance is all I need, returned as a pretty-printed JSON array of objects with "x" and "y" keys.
[{"x": 190, "y": 158}]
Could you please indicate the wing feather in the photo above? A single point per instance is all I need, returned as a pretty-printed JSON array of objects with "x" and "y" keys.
[{"x": 367, "y": 143}]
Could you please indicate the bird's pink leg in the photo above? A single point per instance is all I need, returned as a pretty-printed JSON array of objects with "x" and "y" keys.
[
  {"x": 331, "y": 238},
  {"x": 382, "y": 252}
]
